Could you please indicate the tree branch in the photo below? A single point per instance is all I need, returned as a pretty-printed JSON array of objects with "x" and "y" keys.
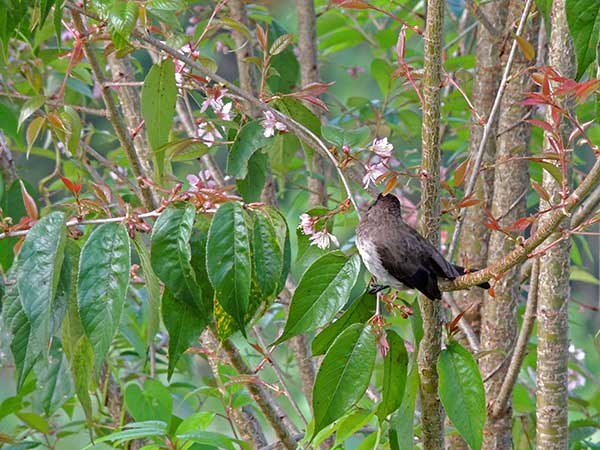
[{"x": 520, "y": 351}]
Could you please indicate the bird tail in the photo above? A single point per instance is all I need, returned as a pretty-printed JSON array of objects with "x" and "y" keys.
[{"x": 461, "y": 270}]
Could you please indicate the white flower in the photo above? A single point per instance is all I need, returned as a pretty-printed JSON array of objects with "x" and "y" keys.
[
  {"x": 323, "y": 239},
  {"x": 270, "y": 124},
  {"x": 382, "y": 148},
  {"x": 208, "y": 133},
  {"x": 374, "y": 171},
  {"x": 224, "y": 111},
  {"x": 575, "y": 379},
  {"x": 577, "y": 353},
  {"x": 307, "y": 223}
]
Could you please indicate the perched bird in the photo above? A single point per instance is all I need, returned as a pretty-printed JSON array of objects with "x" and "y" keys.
[{"x": 397, "y": 255}]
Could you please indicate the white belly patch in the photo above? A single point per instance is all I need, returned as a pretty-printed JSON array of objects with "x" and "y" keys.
[{"x": 372, "y": 262}]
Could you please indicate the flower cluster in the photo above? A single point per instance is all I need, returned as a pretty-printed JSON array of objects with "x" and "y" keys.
[
  {"x": 203, "y": 180},
  {"x": 208, "y": 132},
  {"x": 321, "y": 238},
  {"x": 377, "y": 167},
  {"x": 270, "y": 124},
  {"x": 180, "y": 66}
]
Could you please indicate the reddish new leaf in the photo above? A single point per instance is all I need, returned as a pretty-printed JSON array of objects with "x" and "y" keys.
[
  {"x": 540, "y": 190},
  {"x": 540, "y": 124},
  {"x": 29, "y": 203},
  {"x": 75, "y": 188},
  {"x": 460, "y": 172},
  {"x": 466, "y": 202}
]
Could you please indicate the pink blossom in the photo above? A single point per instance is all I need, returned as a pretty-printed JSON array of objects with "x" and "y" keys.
[
  {"x": 270, "y": 124},
  {"x": 323, "y": 239},
  {"x": 208, "y": 133},
  {"x": 224, "y": 112},
  {"x": 307, "y": 223},
  {"x": 202, "y": 180},
  {"x": 382, "y": 148},
  {"x": 577, "y": 353},
  {"x": 373, "y": 172},
  {"x": 354, "y": 71},
  {"x": 382, "y": 344}
]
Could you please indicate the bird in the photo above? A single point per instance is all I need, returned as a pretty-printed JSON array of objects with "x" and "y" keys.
[{"x": 397, "y": 255}]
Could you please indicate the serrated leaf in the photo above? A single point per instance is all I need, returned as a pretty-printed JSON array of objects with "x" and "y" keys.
[
  {"x": 228, "y": 260},
  {"x": 340, "y": 136},
  {"x": 583, "y": 17},
  {"x": 56, "y": 386},
  {"x": 251, "y": 186},
  {"x": 395, "y": 365},
  {"x": 159, "y": 95},
  {"x": 73, "y": 127},
  {"x": 171, "y": 253},
  {"x": 462, "y": 393},
  {"x": 38, "y": 274},
  {"x": 102, "y": 285},
  {"x": 121, "y": 21},
  {"x": 344, "y": 374},
  {"x": 249, "y": 139},
  {"x": 321, "y": 293},
  {"x": 29, "y": 107},
  {"x": 280, "y": 44},
  {"x": 267, "y": 257}
]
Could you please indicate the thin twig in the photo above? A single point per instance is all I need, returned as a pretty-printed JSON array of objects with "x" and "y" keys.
[
  {"x": 464, "y": 325},
  {"x": 520, "y": 351},
  {"x": 56, "y": 104},
  {"x": 489, "y": 124},
  {"x": 76, "y": 222},
  {"x": 482, "y": 18},
  {"x": 280, "y": 376},
  {"x": 113, "y": 115}
]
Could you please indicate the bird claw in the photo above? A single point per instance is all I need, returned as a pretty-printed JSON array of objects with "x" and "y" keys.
[{"x": 376, "y": 288}]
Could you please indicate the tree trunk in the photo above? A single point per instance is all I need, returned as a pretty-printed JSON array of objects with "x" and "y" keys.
[
  {"x": 432, "y": 312},
  {"x": 553, "y": 340},
  {"x": 511, "y": 184}
]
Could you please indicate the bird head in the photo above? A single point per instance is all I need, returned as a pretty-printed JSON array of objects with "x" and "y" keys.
[{"x": 386, "y": 204}]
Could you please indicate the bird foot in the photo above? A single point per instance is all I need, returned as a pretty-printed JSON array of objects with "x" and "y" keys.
[{"x": 376, "y": 288}]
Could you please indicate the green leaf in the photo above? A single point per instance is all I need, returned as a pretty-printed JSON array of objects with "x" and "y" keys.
[
  {"x": 322, "y": 291},
  {"x": 351, "y": 424},
  {"x": 248, "y": 140},
  {"x": 252, "y": 185},
  {"x": 579, "y": 274},
  {"x": 381, "y": 71},
  {"x": 402, "y": 423},
  {"x": 462, "y": 393},
  {"x": 39, "y": 266},
  {"x": 25, "y": 348},
  {"x": 73, "y": 128},
  {"x": 184, "y": 322},
  {"x": 159, "y": 95},
  {"x": 76, "y": 345},
  {"x": 198, "y": 421},
  {"x": 267, "y": 257},
  {"x": 285, "y": 63},
  {"x": 583, "y": 17},
  {"x": 228, "y": 261},
  {"x": 152, "y": 403},
  {"x": 133, "y": 431},
  {"x": 33, "y": 131},
  {"x": 29, "y": 107},
  {"x": 121, "y": 21},
  {"x": 340, "y": 136},
  {"x": 152, "y": 290},
  {"x": 209, "y": 438},
  {"x": 283, "y": 238},
  {"x": 102, "y": 285},
  {"x": 56, "y": 386},
  {"x": 344, "y": 374},
  {"x": 171, "y": 254},
  {"x": 361, "y": 310},
  {"x": 394, "y": 375}
]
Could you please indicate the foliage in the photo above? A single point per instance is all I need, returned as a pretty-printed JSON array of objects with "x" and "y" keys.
[{"x": 187, "y": 339}]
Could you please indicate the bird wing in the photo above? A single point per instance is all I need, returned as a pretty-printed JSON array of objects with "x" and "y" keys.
[{"x": 414, "y": 261}]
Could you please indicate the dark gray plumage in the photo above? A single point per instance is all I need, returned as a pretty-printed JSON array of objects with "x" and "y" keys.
[{"x": 397, "y": 255}]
